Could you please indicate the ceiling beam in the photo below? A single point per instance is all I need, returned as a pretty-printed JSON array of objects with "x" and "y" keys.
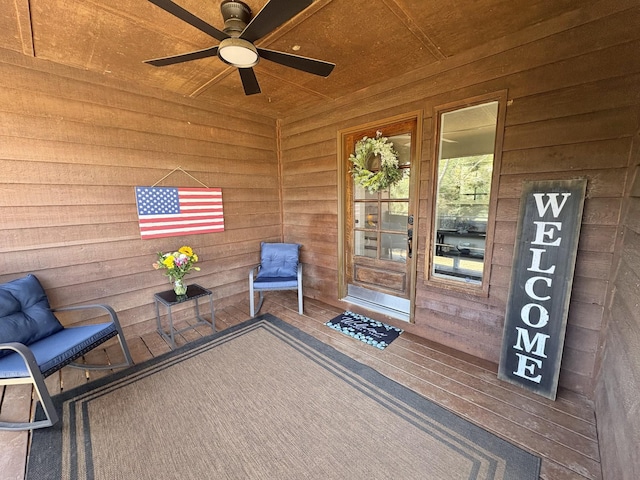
[
  {"x": 397, "y": 7},
  {"x": 24, "y": 26}
]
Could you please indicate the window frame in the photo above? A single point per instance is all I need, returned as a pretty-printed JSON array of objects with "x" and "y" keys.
[{"x": 482, "y": 288}]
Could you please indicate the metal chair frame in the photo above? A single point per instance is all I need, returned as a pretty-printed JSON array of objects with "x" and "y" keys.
[
  {"x": 261, "y": 289},
  {"x": 36, "y": 376}
]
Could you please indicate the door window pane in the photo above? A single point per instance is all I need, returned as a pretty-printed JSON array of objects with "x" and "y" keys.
[
  {"x": 361, "y": 193},
  {"x": 365, "y": 215},
  {"x": 394, "y": 216},
  {"x": 394, "y": 247},
  {"x": 366, "y": 244},
  {"x": 398, "y": 191}
]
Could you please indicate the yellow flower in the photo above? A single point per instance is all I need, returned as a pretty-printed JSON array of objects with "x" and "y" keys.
[
  {"x": 168, "y": 262},
  {"x": 177, "y": 264}
]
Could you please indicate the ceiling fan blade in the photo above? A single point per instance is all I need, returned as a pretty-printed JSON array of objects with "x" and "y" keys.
[
  {"x": 249, "y": 81},
  {"x": 190, "y": 18},
  {"x": 309, "y": 65},
  {"x": 272, "y": 15},
  {"x": 184, "y": 57}
]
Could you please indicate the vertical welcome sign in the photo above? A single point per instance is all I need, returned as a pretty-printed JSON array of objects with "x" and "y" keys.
[{"x": 543, "y": 263}]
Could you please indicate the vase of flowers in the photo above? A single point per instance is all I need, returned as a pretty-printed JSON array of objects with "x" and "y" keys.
[
  {"x": 179, "y": 287},
  {"x": 177, "y": 265}
]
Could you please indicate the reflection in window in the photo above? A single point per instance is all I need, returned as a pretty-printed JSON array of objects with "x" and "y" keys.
[
  {"x": 366, "y": 215},
  {"x": 394, "y": 247},
  {"x": 464, "y": 173},
  {"x": 366, "y": 244}
]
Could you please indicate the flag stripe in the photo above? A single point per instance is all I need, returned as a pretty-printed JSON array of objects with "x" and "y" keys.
[
  {"x": 215, "y": 222},
  {"x": 170, "y": 211},
  {"x": 185, "y": 229},
  {"x": 190, "y": 216},
  {"x": 199, "y": 205}
]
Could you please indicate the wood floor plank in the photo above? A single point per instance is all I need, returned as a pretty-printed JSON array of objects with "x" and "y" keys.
[
  {"x": 575, "y": 406},
  {"x": 97, "y": 356},
  {"x": 223, "y": 319},
  {"x": 156, "y": 344},
  {"x": 138, "y": 350},
  {"x": 489, "y": 397},
  {"x": 15, "y": 405}
]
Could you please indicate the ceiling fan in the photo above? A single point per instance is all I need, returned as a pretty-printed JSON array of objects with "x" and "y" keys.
[{"x": 236, "y": 46}]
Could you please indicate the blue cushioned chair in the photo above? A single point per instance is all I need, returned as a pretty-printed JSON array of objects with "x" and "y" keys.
[
  {"x": 33, "y": 343},
  {"x": 279, "y": 269}
]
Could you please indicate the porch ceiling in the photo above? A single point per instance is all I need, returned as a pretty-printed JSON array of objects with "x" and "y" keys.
[{"x": 368, "y": 40}]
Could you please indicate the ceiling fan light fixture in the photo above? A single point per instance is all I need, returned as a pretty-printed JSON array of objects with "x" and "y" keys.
[
  {"x": 236, "y": 46},
  {"x": 238, "y": 53}
]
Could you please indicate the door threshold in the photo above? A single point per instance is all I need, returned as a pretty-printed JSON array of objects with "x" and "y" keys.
[{"x": 382, "y": 303}]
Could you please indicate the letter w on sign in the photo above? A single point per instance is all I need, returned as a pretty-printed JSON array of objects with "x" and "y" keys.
[{"x": 170, "y": 211}]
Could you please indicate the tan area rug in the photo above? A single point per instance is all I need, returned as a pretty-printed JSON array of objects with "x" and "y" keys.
[{"x": 263, "y": 400}]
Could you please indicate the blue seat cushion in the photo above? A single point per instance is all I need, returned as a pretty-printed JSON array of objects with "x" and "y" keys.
[
  {"x": 54, "y": 352},
  {"x": 278, "y": 260},
  {"x": 25, "y": 314},
  {"x": 275, "y": 283}
]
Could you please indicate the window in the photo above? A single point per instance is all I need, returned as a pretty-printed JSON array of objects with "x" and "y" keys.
[
  {"x": 463, "y": 177},
  {"x": 380, "y": 219}
]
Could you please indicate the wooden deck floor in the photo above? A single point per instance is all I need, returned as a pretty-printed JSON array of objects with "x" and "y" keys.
[{"x": 563, "y": 433}]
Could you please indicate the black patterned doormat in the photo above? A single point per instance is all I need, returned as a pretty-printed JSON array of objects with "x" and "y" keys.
[{"x": 365, "y": 329}]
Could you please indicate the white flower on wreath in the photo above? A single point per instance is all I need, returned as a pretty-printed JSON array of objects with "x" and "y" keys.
[{"x": 389, "y": 173}]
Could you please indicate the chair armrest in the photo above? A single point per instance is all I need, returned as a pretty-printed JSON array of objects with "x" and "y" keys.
[
  {"x": 26, "y": 354},
  {"x": 112, "y": 313},
  {"x": 114, "y": 318},
  {"x": 253, "y": 272},
  {"x": 15, "y": 346}
]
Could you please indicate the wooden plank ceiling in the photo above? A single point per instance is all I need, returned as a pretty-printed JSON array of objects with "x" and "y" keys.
[{"x": 368, "y": 40}]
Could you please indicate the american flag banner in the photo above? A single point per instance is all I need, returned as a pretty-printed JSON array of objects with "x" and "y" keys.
[{"x": 169, "y": 211}]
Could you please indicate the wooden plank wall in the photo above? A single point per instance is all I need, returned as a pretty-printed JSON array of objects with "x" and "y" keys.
[
  {"x": 619, "y": 376},
  {"x": 572, "y": 113},
  {"x": 73, "y": 146}
]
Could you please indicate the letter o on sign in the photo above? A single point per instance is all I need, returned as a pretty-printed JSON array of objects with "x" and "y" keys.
[{"x": 543, "y": 315}]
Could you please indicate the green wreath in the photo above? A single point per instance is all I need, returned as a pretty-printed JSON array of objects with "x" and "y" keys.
[{"x": 389, "y": 173}]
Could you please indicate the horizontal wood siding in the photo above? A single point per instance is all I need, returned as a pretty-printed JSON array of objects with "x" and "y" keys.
[
  {"x": 618, "y": 382},
  {"x": 572, "y": 113},
  {"x": 72, "y": 147}
]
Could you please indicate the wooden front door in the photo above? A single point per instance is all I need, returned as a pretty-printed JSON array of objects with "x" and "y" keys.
[{"x": 379, "y": 226}]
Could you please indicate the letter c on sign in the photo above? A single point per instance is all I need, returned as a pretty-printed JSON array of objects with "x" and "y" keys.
[
  {"x": 528, "y": 287},
  {"x": 525, "y": 314}
]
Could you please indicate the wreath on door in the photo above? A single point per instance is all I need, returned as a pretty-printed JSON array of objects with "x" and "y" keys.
[{"x": 366, "y": 150}]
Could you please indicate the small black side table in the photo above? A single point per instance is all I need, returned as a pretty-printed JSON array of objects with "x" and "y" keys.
[{"x": 169, "y": 299}]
